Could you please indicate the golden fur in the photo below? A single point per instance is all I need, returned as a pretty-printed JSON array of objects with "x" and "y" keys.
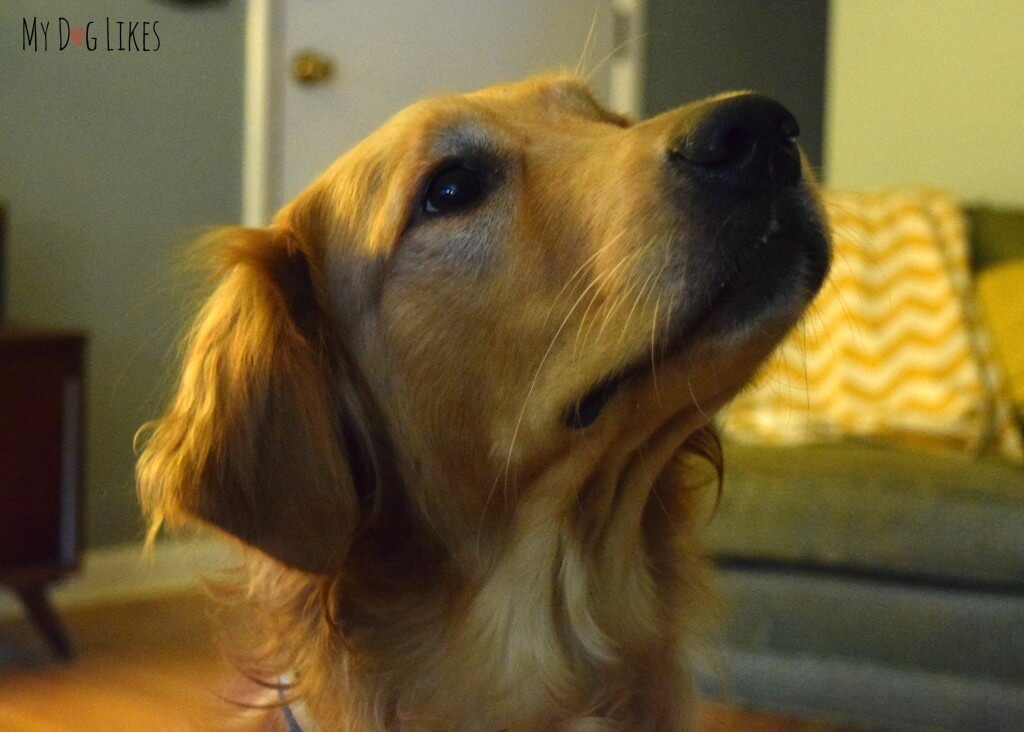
[{"x": 373, "y": 401}]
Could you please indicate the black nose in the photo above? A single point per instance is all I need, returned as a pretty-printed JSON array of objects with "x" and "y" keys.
[{"x": 744, "y": 142}]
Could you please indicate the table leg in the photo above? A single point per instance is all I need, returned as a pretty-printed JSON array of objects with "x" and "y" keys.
[{"x": 46, "y": 619}]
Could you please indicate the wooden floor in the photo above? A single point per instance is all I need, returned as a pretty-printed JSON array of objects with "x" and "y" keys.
[{"x": 151, "y": 665}]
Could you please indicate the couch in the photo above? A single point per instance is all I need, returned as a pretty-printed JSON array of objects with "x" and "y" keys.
[{"x": 870, "y": 584}]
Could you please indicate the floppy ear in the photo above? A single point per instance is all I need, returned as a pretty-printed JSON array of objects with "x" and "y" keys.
[{"x": 265, "y": 437}]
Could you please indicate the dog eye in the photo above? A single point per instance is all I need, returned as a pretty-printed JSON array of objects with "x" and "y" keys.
[{"x": 452, "y": 189}]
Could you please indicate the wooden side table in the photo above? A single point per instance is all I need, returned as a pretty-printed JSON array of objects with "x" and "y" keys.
[{"x": 41, "y": 427}]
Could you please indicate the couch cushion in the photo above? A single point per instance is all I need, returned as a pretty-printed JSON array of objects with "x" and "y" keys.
[
  {"x": 862, "y": 507},
  {"x": 999, "y": 288},
  {"x": 997, "y": 235}
]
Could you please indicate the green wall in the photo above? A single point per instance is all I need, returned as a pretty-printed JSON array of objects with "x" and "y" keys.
[
  {"x": 925, "y": 92},
  {"x": 109, "y": 163}
]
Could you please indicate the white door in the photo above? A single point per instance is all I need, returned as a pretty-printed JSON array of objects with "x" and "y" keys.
[{"x": 386, "y": 54}]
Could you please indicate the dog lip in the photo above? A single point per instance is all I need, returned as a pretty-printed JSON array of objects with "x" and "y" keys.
[
  {"x": 585, "y": 411},
  {"x": 789, "y": 256}
]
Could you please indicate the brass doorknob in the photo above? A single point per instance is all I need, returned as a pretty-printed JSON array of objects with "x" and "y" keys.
[{"x": 309, "y": 67}]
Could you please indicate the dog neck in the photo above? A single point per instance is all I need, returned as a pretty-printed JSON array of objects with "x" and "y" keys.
[{"x": 574, "y": 597}]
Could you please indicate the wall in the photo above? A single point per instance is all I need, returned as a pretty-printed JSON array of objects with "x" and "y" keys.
[
  {"x": 930, "y": 92},
  {"x": 109, "y": 162},
  {"x": 703, "y": 47}
]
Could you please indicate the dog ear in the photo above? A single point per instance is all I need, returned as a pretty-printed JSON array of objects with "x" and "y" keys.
[{"x": 265, "y": 438}]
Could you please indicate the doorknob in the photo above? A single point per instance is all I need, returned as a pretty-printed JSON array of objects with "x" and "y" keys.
[{"x": 310, "y": 67}]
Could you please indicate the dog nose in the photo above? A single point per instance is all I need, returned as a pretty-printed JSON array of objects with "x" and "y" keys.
[{"x": 744, "y": 142}]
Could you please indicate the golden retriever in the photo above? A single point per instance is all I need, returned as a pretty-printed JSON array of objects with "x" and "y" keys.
[{"x": 447, "y": 401}]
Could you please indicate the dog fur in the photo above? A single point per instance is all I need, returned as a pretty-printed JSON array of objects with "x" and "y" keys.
[{"x": 373, "y": 401}]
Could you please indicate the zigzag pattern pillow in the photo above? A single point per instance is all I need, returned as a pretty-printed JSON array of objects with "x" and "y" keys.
[{"x": 892, "y": 348}]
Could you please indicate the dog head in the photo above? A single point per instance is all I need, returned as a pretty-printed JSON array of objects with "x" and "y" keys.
[{"x": 491, "y": 294}]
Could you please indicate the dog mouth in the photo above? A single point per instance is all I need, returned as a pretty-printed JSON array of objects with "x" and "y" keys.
[
  {"x": 770, "y": 269},
  {"x": 584, "y": 411}
]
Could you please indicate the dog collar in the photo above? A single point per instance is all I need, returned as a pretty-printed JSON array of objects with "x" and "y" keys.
[{"x": 291, "y": 721}]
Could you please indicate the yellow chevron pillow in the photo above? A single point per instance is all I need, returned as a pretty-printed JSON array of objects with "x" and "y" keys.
[{"x": 893, "y": 347}]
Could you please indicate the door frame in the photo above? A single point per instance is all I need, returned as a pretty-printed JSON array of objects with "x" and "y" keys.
[{"x": 265, "y": 76}]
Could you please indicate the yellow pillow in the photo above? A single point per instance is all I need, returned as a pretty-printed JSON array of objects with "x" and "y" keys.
[
  {"x": 1001, "y": 290},
  {"x": 892, "y": 348}
]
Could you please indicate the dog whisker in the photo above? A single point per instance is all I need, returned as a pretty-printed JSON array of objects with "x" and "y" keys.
[
  {"x": 605, "y": 277},
  {"x": 655, "y": 494},
  {"x": 637, "y": 37},
  {"x": 696, "y": 403},
  {"x": 654, "y": 320},
  {"x": 504, "y": 473},
  {"x": 651, "y": 280},
  {"x": 586, "y": 44},
  {"x": 576, "y": 352},
  {"x": 580, "y": 270},
  {"x": 583, "y": 319},
  {"x": 654, "y": 333},
  {"x": 623, "y": 297},
  {"x": 610, "y": 304}
]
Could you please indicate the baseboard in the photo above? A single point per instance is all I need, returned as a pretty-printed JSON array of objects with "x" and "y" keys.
[{"x": 129, "y": 570}]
